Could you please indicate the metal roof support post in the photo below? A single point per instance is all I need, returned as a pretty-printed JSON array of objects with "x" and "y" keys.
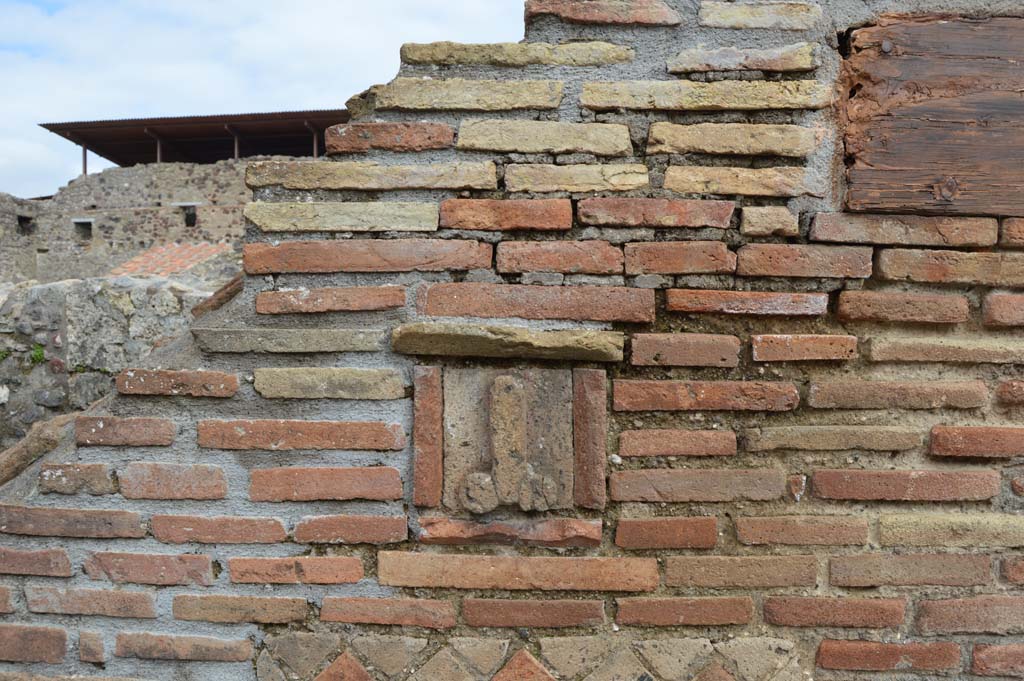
[
  {"x": 238, "y": 138},
  {"x": 85, "y": 160},
  {"x": 159, "y": 145}
]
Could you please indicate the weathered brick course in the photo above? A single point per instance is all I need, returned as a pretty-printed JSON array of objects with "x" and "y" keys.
[
  {"x": 878, "y": 306},
  {"x": 581, "y": 303},
  {"x": 492, "y": 215},
  {"x": 398, "y": 255}
]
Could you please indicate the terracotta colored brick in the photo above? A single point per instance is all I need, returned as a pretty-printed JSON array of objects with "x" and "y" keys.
[
  {"x": 6, "y": 606},
  {"x": 67, "y": 522},
  {"x": 343, "y": 299},
  {"x": 91, "y": 647},
  {"x": 459, "y": 571},
  {"x": 1005, "y": 660},
  {"x": 977, "y": 441},
  {"x": 377, "y": 483},
  {"x": 934, "y": 569},
  {"x": 492, "y": 215},
  {"x": 797, "y": 260},
  {"x": 803, "y": 348},
  {"x": 898, "y": 395},
  {"x": 319, "y": 570},
  {"x": 553, "y": 532},
  {"x": 76, "y": 478},
  {"x": 655, "y": 213},
  {"x": 727, "y": 572},
  {"x": 680, "y": 257},
  {"x": 704, "y": 396},
  {"x": 832, "y": 438},
  {"x": 704, "y": 484},
  {"x": 485, "y": 612},
  {"x": 692, "y": 612},
  {"x": 183, "y": 529},
  {"x": 670, "y": 442},
  {"x": 802, "y": 530},
  {"x": 569, "y": 257},
  {"x": 951, "y": 267},
  {"x": 861, "y": 613},
  {"x": 404, "y": 612},
  {"x": 590, "y": 434},
  {"x": 921, "y": 308},
  {"x": 99, "y": 431},
  {"x": 41, "y": 562},
  {"x": 756, "y": 303},
  {"x": 1012, "y": 233},
  {"x": 581, "y": 303},
  {"x": 428, "y": 437},
  {"x": 346, "y": 667},
  {"x": 523, "y": 667},
  {"x": 977, "y": 615},
  {"x": 357, "y": 138},
  {"x": 667, "y": 533},
  {"x": 946, "y": 349},
  {"x": 1010, "y": 393},
  {"x": 150, "y": 568},
  {"x": 904, "y": 230},
  {"x": 264, "y": 610},
  {"x": 906, "y": 485},
  {"x": 869, "y": 656},
  {"x": 289, "y": 435},
  {"x": 172, "y": 481},
  {"x": 177, "y": 383},
  {"x": 148, "y": 646},
  {"x": 351, "y": 529},
  {"x": 32, "y": 644},
  {"x": 1013, "y": 570},
  {"x": 1004, "y": 309},
  {"x": 133, "y": 604},
  {"x": 367, "y": 255},
  {"x": 686, "y": 349},
  {"x": 644, "y": 12},
  {"x": 1017, "y": 485}
]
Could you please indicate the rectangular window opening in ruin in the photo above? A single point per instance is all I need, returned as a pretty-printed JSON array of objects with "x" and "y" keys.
[
  {"x": 83, "y": 229},
  {"x": 26, "y": 225}
]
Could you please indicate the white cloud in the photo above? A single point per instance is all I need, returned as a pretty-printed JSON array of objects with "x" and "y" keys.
[{"x": 97, "y": 59}]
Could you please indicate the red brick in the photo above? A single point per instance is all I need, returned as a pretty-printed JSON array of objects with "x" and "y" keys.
[
  {"x": 667, "y": 533},
  {"x": 428, "y": 437},
  {"x": 905, "y": 485},
  {"x": 492, "y": 215},
  {"x": 580, "y": 303},
  {"x": 692, "y": 612},
  {"x": 649, "y": 12},
  {"x": 42, "y": 562},
  {"x": 569, "y": 257},
  {"x": 344, "y": 668},
  {"x": 670, "y": 442},
  {"x": 289, "y": 435},
  {"x": 76, "y": 478},
  {"x": 98, "y": 431},
  {"x": 860, "y": 613},
  {"x": 704, "y": 396},
  {"x": 656, "y": 213},
  {"x": 802, "y": 531},
  {"x": 1005, "y": 660},
  {"x": 32, "y": 644},
  {"x": 177, "y": 383},
  {"x": 756, "y": 303},
  {"x": 352, "y": 529},
  {"x": 719, "y": 572},
  {"x": 921, "y": 308},
  {"x": 357, "y": 138},
  {"x": 264, "y": 610},
  {"x": 484, "y": 612},
  {"x": 91, "y": 647},
  {"x": 698, "y": 485},
  {"x": 302, "y": 570},
  {"x": 680, "y": 257},
  {"x": 1004, "y": 309},
  {"x": 404, "y": 612},
  {"x": 590, "y": 434},
  {"x": 134, "y": 604},
  {"x": 367, "y": 255},
  {"x": 714, "y": 672},
  {"x": 950, "y": 267},
  {"x": 1012, "y": 233},
  {"x": 70, "y": 522},
  {"x": 978, "y": 615},
  {"x": 343, "y": 299},
  {"x": 460, "y": 571},
  {"x": 148, "y": 646},
  {"x": 1017, "y": 485},
  {"x": 378, "y": 483},
  {"x": 686, "y": 350},
  {"x": 553, "y": 532},
  {"x": 149, "y": 568},
  {"x": 1013, "y": 570},
  {"x": 172, "y": 481},
  {"x": 184, "y": 529},
  {"x": 898, "y": 395},
  {"x": 803, "y": 348},
  {"x": 798, "y": 260},
  {"x": 1010, "y": 393},
  {"x": 905, "y": 230},
  {"x": 6, "y": 607},
  {"x": 977, "y": 441},
  {"x": 869, "y": 656},
  {"x": 523, "y": 667},
  {"x": 934, "y": 569}
]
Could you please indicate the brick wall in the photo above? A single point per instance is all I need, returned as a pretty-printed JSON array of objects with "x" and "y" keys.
[{"x": 567, "y": 364}]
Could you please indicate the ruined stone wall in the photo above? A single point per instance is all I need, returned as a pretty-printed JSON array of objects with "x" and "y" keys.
[{"x": 571, "y": 363}]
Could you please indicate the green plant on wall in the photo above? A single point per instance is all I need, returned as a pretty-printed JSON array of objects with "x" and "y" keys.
[
  {"x": 38, "y": 354},
  {"x": 4, "y": 354}
]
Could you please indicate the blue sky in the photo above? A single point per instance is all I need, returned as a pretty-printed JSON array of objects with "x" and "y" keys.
[{"x": 96, "y": 59}]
